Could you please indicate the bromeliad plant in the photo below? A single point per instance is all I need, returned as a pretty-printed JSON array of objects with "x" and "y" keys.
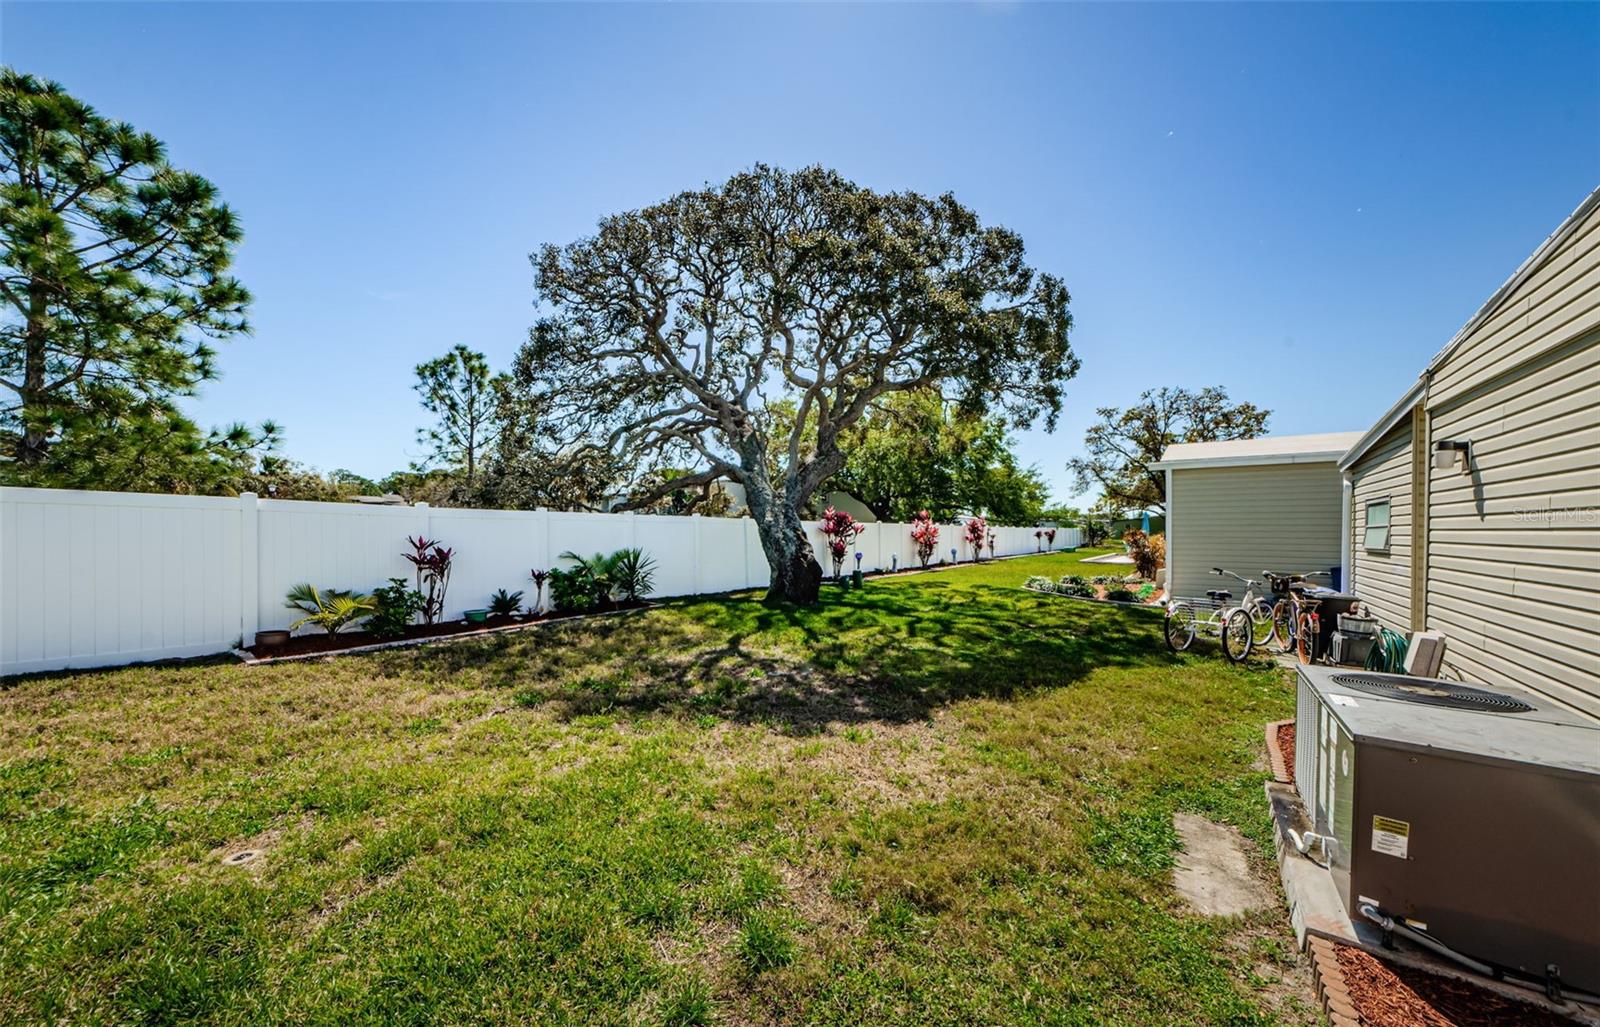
[
  {"x": 432, "y": 561},
  {"x": 977, "y": 532},
  {"x": 841, "y": 530},
  {"x": 925, "y": 534},
  {"x": 332, "y": 611}
]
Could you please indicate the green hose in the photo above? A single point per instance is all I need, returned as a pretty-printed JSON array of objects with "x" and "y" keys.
[{"x": 1388, "y": 653}]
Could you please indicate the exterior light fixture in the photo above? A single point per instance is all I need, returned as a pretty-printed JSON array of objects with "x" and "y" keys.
[{"x": 1445, "y": 453}]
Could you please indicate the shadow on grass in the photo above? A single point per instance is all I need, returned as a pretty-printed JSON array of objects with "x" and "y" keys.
[{"x": 887, "y": 654}]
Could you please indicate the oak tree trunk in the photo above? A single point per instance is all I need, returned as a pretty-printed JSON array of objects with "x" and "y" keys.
[{"x": 796, "y": 574}]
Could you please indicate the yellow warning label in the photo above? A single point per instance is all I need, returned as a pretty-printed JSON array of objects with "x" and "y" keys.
[{"x": 1390, "y": 837}]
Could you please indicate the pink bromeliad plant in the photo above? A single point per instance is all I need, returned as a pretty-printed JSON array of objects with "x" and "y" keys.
[
  {"x": 925, "y": 534},
  {"x": 841, "y": 530},
  {"x": 977, "y": 533}
]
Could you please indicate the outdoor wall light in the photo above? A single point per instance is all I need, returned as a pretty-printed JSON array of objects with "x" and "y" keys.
[{"x": 1445, "y": 453}]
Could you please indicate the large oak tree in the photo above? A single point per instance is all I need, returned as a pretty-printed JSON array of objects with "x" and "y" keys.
[
  {"x": 113, "y": 277},
  {"x": 672, "y": 330}
]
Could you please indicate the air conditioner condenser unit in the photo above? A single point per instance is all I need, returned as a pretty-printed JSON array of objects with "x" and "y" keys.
[{"x": 1469, "y": 814}]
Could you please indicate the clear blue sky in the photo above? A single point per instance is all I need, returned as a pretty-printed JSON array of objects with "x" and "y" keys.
[{"x": 1301, "y": 203}]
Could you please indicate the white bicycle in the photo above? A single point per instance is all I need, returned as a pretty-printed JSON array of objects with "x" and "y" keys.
[{"x": 1239, "y": 627}]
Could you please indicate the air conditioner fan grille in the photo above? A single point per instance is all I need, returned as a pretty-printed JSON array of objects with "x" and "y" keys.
[{"x": 1433, "y": 693}]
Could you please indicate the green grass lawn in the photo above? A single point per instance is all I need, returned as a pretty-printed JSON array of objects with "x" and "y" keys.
[{"x": 937, "y": 800}]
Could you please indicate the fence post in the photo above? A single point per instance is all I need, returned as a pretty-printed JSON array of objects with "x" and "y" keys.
[
  {"x": 694, "y": 528},
  {"x": 249, "y": 567}
]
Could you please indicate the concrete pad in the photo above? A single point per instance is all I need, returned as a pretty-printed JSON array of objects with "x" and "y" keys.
[
  {"x": 1110, "y": 558},
  {"x": 1212, "y": 875}
]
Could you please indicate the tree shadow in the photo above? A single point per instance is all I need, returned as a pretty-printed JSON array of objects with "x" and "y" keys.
[{"x": 878, "y": 655}]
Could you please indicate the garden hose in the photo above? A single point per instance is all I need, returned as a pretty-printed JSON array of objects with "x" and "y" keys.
[{"x": 1388, "y": 653}]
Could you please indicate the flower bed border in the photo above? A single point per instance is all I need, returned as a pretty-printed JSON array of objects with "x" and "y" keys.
[{"x": 247, "y": 657}]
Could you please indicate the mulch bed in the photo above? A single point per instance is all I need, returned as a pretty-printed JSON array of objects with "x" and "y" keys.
[
  {"x": 1389, "y": 995},
  {"x": 1286, "y": 745},
  {"x": 308, "y": 645}
]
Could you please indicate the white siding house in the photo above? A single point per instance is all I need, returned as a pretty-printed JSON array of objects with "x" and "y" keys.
[
  {"x": 1497, "y": 544},
  {"x": 1252, "y": 505}
]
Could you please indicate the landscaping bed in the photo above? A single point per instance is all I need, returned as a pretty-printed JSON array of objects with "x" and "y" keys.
[
  {"x": 345, "y": 641},
  {"x": 1390, "y": 995}
]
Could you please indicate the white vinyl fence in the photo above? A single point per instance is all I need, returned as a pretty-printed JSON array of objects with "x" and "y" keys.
[{"x": 99, "y": 578}]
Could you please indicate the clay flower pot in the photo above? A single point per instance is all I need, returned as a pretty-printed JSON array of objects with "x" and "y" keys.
[{"x": 271, "y": 639}]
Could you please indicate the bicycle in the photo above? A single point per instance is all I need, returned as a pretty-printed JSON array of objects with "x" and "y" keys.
[
  {"x": 1234, "y": 626},
  {"x": 1294, "y": 622}
]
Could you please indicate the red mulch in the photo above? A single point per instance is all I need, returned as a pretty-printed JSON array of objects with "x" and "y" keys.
[
  {"x": 301, "y": 645},
  {"x": 1286, "y": 746},
  {"x": 1388, "y": 995}
]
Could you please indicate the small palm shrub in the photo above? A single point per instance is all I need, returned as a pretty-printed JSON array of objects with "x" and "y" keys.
[
  {"x": 505, "y": 604},
  {"x": 332, "y": 611},
  {"x": 633, "y": 574}
]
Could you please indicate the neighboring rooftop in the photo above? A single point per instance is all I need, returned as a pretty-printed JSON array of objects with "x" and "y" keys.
[{"x": 1273, "y": 449}]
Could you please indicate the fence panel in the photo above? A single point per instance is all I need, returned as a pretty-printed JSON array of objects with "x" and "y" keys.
[
  {"x": 100, "y": 578},
  {"x": 95, "y": 578}
]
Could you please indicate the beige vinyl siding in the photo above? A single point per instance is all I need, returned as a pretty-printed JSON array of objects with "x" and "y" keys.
[
  {"x": 1383, "y": 580},
  {"x": 1280, "y": 517},
  {"x": 1559, "y": 301},
  {"x": 1514, "y": 545}
]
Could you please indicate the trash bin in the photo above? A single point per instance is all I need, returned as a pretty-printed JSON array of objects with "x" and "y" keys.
[
  {"x": 1333, "y": 604},
  {"x": 1336, "y": 574}
]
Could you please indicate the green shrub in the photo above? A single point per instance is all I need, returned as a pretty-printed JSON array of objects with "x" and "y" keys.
[
  {"x": 505, "y": 604},
  {"x": 632, "y": 574},
  {"x": 397, "y": 603},
  {"x": 1040, "y": 583},
  {"x": 1121, "y": 595},
  {"x": 572, "y": 591},
  {"x": 1074, "y": 580},
  {"x": 1080, "y": 589}
]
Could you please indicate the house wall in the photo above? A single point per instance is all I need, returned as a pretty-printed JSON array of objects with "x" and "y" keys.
[
  {"x": 100, "y": 578},
  {"x": 1513, "y": 559},
  {"x": 1383, "y": 579},
  {"x": 1279, "y": 517}
]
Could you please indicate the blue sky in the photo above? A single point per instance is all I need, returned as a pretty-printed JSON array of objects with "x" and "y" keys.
[{"x": 1300, "y": 202}]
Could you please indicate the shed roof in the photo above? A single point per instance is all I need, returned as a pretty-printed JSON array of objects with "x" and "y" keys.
[{"x": 1325, "y": 447}]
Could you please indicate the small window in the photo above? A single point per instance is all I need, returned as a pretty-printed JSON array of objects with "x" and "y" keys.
[{"x": 1377, "y": 536}]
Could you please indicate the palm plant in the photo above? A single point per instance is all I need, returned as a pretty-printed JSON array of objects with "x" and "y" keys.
[
  {"x": 505, "y": 604},
  {"x": 332, "y": 611},
  {"x": 633, "y": 574},
  {"x": 598, "y": 570}
]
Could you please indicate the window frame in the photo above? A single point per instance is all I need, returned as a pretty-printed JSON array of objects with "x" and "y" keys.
[{"x": 1387, "y": 527}]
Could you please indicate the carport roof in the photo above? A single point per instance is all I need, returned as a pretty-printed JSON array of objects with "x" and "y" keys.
[{"x": 1273, "y": 449}]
